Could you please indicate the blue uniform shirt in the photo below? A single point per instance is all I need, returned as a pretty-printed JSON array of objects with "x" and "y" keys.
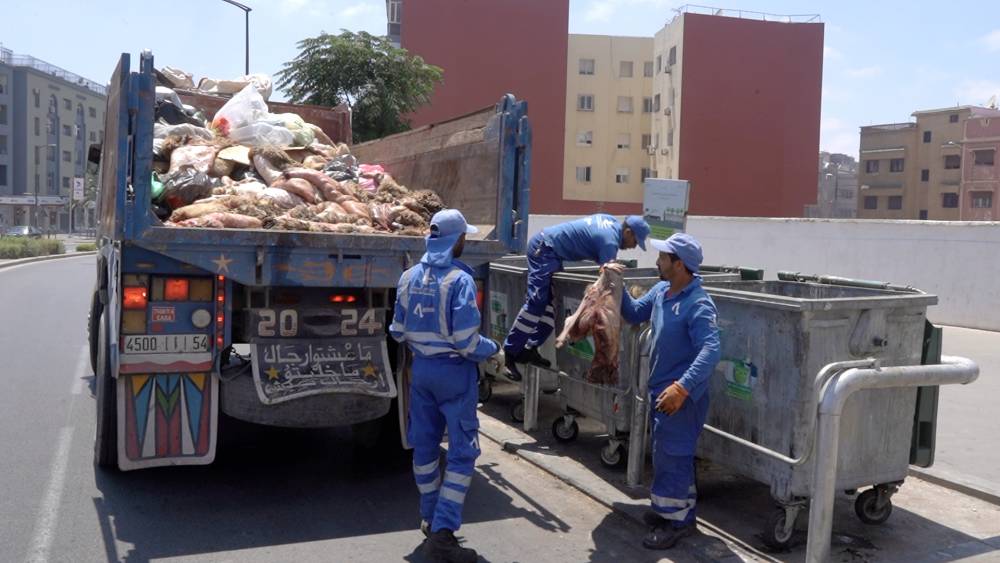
[
  {"x": 597, "y": 237},
  {"x": 685, "y": 343}
]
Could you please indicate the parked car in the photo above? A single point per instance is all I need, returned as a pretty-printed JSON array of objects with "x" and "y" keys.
[{"x": 23, "y": 231}]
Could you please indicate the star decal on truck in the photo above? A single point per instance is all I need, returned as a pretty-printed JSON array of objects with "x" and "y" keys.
[{"x": 222, "y": 264}]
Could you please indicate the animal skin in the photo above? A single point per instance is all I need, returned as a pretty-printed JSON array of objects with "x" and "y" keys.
[{"x": 599, "y": 315}]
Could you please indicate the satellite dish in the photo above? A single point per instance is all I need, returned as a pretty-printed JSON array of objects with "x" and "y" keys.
[{"x": 992, "y": 103}]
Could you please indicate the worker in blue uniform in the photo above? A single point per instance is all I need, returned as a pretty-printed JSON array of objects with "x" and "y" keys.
[
  {"x": 598, "y": 238},
  {"x": 684, "y": 351},
  {"x": 437, "y": 317}
]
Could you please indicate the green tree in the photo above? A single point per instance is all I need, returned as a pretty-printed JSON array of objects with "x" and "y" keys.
[{"x": 379, "y": 82}]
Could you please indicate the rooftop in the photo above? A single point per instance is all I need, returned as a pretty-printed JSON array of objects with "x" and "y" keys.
[
  {"x": 9, "y": 58},
  {"x": 953, "y": 109},
  {"x": 889, "y": 127},
  {"x": 746, "y": 14}
]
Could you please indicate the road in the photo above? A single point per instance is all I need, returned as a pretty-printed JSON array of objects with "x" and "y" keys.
[{"x": 272, "y": 495}]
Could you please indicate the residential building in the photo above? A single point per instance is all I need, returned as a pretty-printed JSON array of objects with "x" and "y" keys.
[
  {"x": 48, "y": 119},
  {"x": 609, "y": 88},
  {"x": 914, "y": 170},
  {"x": 394, "y": 19},
  {"x": 980, "y": 186},
  {"x": 838, "y": 187},
  {"x": 488, "y": 49}
]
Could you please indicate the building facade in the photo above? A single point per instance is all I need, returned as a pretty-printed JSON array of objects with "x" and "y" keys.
[
  {"x": 980, "y": 170},
  {"x": 916, "y": 170},
  {"x": 837, "y": 193},
  {"x": 48, "y": 119},
  {"x": 608, "y": 128}
]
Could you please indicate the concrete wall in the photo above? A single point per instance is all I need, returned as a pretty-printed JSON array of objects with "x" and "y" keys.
[{"x": 952, "y": 260}]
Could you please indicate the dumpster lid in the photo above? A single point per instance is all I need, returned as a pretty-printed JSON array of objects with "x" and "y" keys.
[{"x": 807, "y": 296}]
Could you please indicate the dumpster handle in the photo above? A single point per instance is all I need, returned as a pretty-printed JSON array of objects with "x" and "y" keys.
[
  {"x": 822, "y": 379},
  {"x": 640, "y": 411},
  {"x": 952, "y": 369}
]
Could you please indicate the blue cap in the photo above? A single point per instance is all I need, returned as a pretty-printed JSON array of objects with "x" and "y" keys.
[
  {"x": 640, "y": 227},
  {"x": 684, "y": 246},
  {"x": 447, "y": 226}
]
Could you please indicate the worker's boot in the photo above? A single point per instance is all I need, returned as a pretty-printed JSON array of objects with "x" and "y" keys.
[
  {"x": 665, "y": 536},
  {"x": 531, "y": 356},
  {"x": 513, "y": 373},
  {"x": 443, "y": 547}
]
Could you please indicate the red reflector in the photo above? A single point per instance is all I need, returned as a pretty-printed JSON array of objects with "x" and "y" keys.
[
  {"x": 220, "y": 319},
  {"x": 351, "y": 298},
  {"x": 219, "y": 341},
  {"x": 343, "y": 298},
  {"x": 135, "y": 298},
  {"x": 175, "y": 289},
  {"x": 337, "y": 298},
  {"x": 222, "y": 278},
  {"x": 220, "y": 298},
  {"x": 479, "y": 298}
]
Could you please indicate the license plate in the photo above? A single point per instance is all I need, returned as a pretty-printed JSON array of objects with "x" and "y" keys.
[{"x": 166, "y": 343}]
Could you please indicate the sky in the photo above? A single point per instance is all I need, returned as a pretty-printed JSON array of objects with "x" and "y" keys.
[{"x": 882, "y": 60}]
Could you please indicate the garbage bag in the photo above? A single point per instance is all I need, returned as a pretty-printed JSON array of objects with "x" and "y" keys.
[
  {"x": 172, "y": 114},
  {"x": 178, "y": 78},
  {"x": 245, "y": 108},
  {"x": 162, "y": 130},
  {"x": 342, "y": 168},
  {"x": 199, "y": 157},
  {"x": 303, "y": 135},
  {"x": 262, "y": 135},
  {"x": 156, "y": 186},
  {"x": 185, "y": 186},
  {"x": 260, "y": 82}
]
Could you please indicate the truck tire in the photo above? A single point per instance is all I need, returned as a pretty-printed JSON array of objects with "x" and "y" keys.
[
  {"x": 96, "y": 307},
  {"x": 106, "y": 426}
]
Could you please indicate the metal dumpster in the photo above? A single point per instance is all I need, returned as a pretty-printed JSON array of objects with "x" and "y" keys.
[{"x": 777, "y": 336}]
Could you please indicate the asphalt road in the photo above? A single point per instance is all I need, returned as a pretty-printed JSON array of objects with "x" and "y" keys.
[{"x": 272, "y": 495}]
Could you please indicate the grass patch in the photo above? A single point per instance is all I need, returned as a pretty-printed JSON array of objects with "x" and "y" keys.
[
  {"x": 86, "y": 247},
  {"x": 26, "y": 248}
]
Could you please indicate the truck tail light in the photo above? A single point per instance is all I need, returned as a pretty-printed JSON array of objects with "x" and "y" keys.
[
  {"x": 135, "y": 298},
  {"x": 201, "y": 289},
  {"x": 480, "y": 295},
  {"x": 338, "y": 298},
  {"x": 176, "y": 289},
  {"x": 220, "y": 312}
]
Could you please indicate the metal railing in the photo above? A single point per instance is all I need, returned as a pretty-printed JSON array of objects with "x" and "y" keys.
[
  {"x": 53, "y": 70},
  {"x": 747, "y": 14}
]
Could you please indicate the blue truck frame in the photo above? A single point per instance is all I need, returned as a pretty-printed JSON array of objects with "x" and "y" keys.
[{"x": 183, "y": 396}]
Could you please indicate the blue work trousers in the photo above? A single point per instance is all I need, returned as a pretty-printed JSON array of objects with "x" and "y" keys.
[
  {"x": 675, "y": 438},
  {"x": 536, "y": 319}
]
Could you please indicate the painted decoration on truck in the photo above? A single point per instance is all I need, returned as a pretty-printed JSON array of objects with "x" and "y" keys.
[
  {"x": 499, "y": 317},
  {"x": 166, "y": 419},
  {"x": 287, "y": 369}
]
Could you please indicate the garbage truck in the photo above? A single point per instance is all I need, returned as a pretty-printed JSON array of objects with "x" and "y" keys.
[{"x": 278, "y": 328}]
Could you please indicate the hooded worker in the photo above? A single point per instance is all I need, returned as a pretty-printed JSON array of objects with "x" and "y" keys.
[
  {"x": 683, "y": 354},
  {"x": 437, "y": 317},
  {"x": 598, "y": 238}
]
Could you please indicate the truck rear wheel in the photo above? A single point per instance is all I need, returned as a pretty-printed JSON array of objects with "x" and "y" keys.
[
  {"x": 106, "y": 427},
  {"x": 95, "y": 315}
]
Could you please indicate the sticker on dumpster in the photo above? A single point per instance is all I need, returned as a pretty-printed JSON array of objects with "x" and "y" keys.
[
  {"x": 741, "y": 378},
  {"x": 583, "y": 349},
  {"x": 498, "y": 316}
]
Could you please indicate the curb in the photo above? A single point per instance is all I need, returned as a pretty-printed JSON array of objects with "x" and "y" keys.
[
  {"x": 703, "y": 547},
  {"x": 33, "y": 259},
  {"x": 957, "y": 484}
]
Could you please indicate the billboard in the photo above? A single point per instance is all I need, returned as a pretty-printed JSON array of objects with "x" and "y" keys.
[{"x": 665, "y": 205}]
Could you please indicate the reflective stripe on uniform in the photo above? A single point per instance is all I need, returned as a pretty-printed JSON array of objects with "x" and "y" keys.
[
  {"x": 528, "y": 316},
  {"x": 667, "y": 508},
  {"x": 443, "y": 305},
  {"x": 425, "y": 469},
  {"x": 403, "y": 295},
  {"x": 452, "y": 495},
  {"x": 428, "y": 350},
  {"x": 518, "y": 325},
  {"x": 426, "y": 488},
  {"x": 464, "y": 333},
  {"x": 549, "y": 321},
  {"x": 664, "y": 502},
  {"x": 458, "y": 478}
]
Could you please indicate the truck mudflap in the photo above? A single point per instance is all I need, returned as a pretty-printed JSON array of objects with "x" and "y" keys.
[
  {"x": 284, "y": 370},
  {"x": 167, "y": 419}
]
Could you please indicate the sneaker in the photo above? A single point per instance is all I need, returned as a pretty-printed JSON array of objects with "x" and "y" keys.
[
  {"x": 665, "y": 536},
  {"x": 513, "y": 373},
  {"x": 531, "y": 356},
  {"x": 443, "y": 547}
]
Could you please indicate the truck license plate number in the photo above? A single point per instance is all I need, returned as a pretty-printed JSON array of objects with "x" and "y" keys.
[{"x": 166, "y": 343}]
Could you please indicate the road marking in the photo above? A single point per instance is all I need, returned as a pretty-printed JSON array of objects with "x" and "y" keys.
[
  {"x": 82, "y": 370},
  {"x": 48, "y": 515}
]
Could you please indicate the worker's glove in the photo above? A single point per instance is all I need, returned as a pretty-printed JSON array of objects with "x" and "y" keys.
[{"x": 671, "y": 399}]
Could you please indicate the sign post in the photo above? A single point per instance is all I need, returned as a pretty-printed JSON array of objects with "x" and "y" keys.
[{"x": 77, "y": 196}]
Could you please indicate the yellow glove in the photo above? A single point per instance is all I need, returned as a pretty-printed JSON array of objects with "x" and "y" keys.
[{"x": 671, "y": 399}]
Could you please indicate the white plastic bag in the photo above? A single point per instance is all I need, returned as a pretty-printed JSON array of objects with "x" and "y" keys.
[
  {"x": 262, "y": 135},
  {"x": 260, "y": 81},
  {"x": 245, "y": 108}
]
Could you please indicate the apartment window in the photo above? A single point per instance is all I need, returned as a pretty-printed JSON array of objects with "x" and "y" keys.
[
  {"x": 3, "y": 174},
  {"x": 949, "y": 201},
  {"x": 647, "y": 68},
  {"x": 3, "y": 83},
  {"x": 625, "y": 69},
  {"x": 656, "y": 102},
  {"x": 953, "y": 118},
  {"x": 670, "y": 138},
  {"x": 583, "y": 174},
  {"x": 67, "y": 103},
  {"x": 67, "y": 130},
  {"x": 672, "y": 57},
  {"x": 927, "y": 136},
  {"x": 585, "y": 102},
  {"x": 92, "y": 112},
  {"x": 621, "y": 176},
  {"x": 38, "y": 128},
  {"x": 871, "y": 166},
  {"x": 587, "y": 66},
  {"x": 982, "y": 200},
  {"x": 925, "y": 175},
  {"x": 93, "y": 137},
  {"x": 871, "y": 202},
  {"x": 647, "y": 105},
  {"x": 584, "y": 138},
  {"x": 624, "y": 140},
  {"x": 65, "y": 182},
  {"x": 624, "y": 104},
  {"x": 67, "y": 157},
  {"x": 984, "y": 157},
  {"x": 895, "y": 202},
  {"x": 3, "y": 144},
  {"x": 923, "y": 214},
  {"x": 656, "y": 140},
  {"x": 395, "y": 9},
  {"x": 896, "y": 165},
  {"x": 647, "y": 139},
  {"x": 952, "y": 162},
  {"x": 647, "y": 173},
  {"x": 659, "y": 64}
]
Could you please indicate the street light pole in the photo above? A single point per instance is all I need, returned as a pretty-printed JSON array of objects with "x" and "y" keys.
[{"x": 246, "y": 12}]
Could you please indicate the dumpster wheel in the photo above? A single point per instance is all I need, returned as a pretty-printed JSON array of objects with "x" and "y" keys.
[
  {"x": 613, "y": 455},
  {"x": 485, "y": 389},
  {"x": 777, "y": 534},
  {"x": 866, "y": 506},
  {"x": 517, "y": 411},
  {"x": 565, "y": 429}
]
